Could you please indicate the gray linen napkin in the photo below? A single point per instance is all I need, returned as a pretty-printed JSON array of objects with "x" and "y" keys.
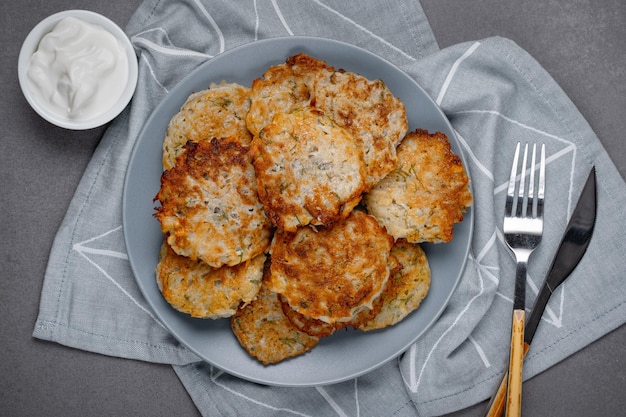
[{"x": 493, "y": 92}]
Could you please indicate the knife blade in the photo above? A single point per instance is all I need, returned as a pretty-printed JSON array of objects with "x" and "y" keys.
[
  {"x": 573, "y": 246},
  {"x": 571, "y": 250}
]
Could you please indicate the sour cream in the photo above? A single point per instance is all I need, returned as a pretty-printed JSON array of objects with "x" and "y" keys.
[{"x": 79, "y": 71}]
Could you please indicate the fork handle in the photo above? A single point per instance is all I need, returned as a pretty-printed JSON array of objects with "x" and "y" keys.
[{"x": 516, "y": 360}]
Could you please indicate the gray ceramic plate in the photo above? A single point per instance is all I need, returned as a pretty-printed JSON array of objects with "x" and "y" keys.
[{"x": 346, "y": 354}]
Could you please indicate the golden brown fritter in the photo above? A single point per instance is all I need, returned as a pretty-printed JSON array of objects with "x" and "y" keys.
[
  {"x": 426, "y": 194},
  {"x": 195, "y": 288},
  {"x": 308, "y": 325},
  {"x": 332, "y": 273},
  {"x": 217, "y": 112},
  {"x": 209, "y": 204},
  {"x": 319, "y": 328},
  {"x": 369, "y": 111},
  {"x": 309, "y": 170},
  {"x": 405, "y": 290},
  {"x": 283, "y": 88},
  {"x": 266, "y": 333}
]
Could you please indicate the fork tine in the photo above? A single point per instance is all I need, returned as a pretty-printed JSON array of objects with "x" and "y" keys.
[
  {"x": 510, "y": 194},
  {"x": 531, "y": 186},
  {"x": 520, "y": 204},
  {"x": 542, "y": 182}
]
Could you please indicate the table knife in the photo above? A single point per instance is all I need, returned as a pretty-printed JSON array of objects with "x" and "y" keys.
[{"x": 571, "y": 250}]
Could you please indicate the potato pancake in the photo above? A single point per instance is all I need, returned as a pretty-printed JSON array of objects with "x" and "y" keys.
[
  {"x": 216, "y": 112},
  {"x": 209, "y": 204},
  {"x": 405, "y": 289},
  {"x": 308, "y": 325},
  {"x": 283, "y": 88},
  {"x": 319, "y": 328},
  {"x": 194, "y": 288},
  {"x": 265, "y": 332},
  {"x": 369, "y": 111},
  {"x": 332, "y": 273},
  {"x": 426, "y": 194},
  {"x": 309, "y": 170}
]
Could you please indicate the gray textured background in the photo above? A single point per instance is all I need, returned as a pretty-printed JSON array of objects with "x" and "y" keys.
[{"x": 582, "y": 44}]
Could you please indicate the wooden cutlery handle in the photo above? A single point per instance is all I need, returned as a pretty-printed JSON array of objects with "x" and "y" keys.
[
  {"x": 496, "y": 405},
  {"x": 516, "y": 361}
]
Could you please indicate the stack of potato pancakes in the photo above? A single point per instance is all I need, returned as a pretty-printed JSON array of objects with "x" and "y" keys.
[{"x": 296, "y": 206}]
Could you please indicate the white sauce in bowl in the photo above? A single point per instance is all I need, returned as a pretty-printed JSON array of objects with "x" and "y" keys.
[{"x": 79, "y": 71}]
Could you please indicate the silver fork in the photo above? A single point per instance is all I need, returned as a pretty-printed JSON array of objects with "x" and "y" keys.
[{"x": 523, "y": 227}]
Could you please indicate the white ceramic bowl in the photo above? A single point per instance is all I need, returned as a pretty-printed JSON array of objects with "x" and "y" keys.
[{"x": 30, "y": 46}]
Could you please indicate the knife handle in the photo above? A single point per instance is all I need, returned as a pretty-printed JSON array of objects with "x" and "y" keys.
[
  {"x": 496, "y": 405},
  {"x": 495, "y": 408},
  {"x": 516, "y": 361}
]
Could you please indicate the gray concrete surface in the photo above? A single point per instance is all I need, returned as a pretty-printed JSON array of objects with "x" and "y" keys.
[{"x": 581, "y": 43}]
